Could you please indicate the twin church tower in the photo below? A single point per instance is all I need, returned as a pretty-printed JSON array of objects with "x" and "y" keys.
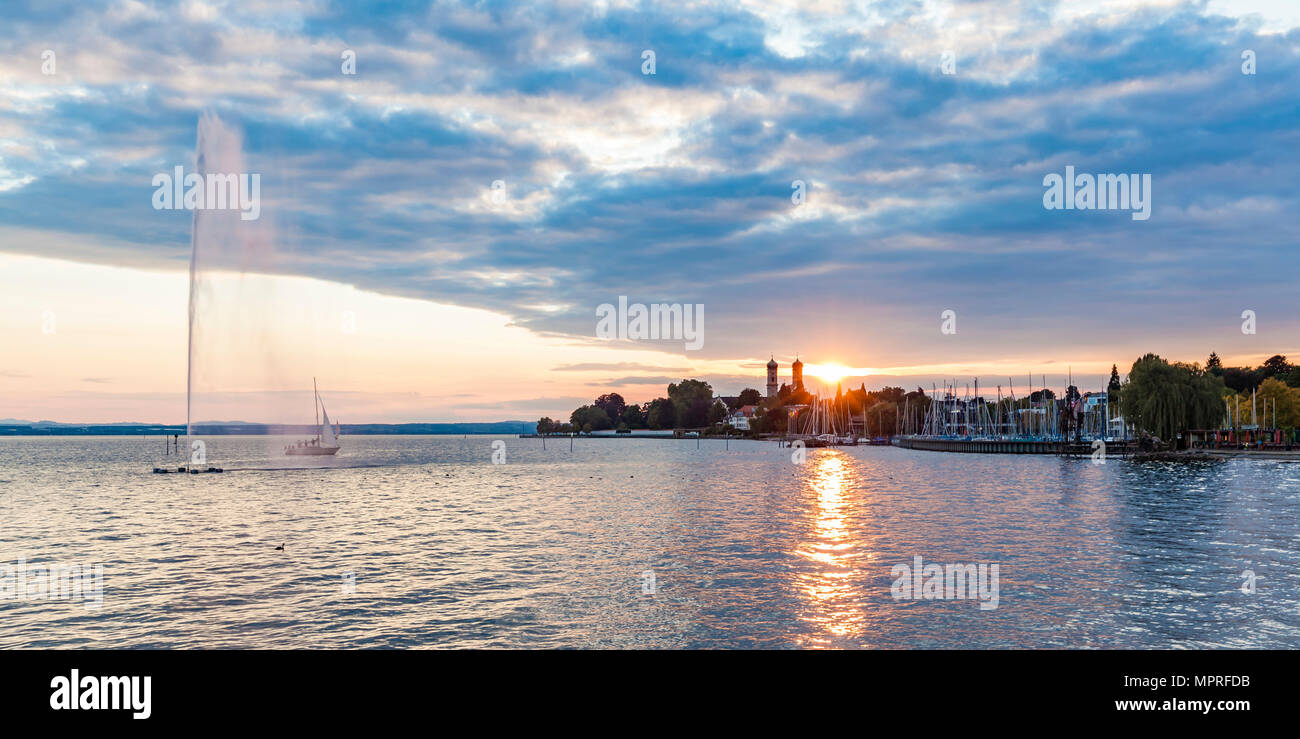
[{"x": 772, "y": 386}]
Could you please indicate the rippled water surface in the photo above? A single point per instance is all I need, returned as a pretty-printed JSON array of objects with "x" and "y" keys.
[{"x": 747, "y": 548}]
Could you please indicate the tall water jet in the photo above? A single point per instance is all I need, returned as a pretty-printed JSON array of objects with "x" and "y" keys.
[
  {"x": 255, "y": 332},
  {"x": 226, "y": 347},
  {"x": 189, "y": 333}
]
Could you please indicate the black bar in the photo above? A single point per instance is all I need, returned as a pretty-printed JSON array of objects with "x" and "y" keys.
[{"x": 927, "y": 690}]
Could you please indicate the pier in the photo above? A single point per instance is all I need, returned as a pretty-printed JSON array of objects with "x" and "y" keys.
[{"x": 1009, "y": 446}]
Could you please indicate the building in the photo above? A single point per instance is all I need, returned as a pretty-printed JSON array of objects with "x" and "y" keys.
[
  {"x": 1093, "y": 399},
  {"x": 797, "y": 369},
  {"x": 1118, "y": 429},
  {"x": 771, "y": 378},
  {"x": 743, "y": 415}
]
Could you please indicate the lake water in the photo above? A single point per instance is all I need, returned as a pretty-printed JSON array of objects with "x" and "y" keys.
[{"x": 423, "y": 542}]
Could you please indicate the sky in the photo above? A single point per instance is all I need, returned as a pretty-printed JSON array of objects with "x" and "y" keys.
[{"x": 438, "y": 229}]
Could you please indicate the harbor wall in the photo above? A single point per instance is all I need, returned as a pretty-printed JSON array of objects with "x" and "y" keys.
[{"x": 1001, "y": 446}]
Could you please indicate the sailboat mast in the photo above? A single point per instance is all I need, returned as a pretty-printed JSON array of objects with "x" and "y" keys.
[{"x": 315, "y": 396}]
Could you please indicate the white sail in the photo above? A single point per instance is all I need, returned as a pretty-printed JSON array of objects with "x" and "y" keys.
[
  {"x": 326, "y": 442},
  {"x": 326, "y": 430}
]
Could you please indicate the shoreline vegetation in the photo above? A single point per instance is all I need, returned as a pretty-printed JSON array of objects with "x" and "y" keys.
[{"x": 1166, "y": 407}]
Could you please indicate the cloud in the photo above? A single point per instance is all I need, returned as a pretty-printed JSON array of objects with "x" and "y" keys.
[
  {"x": 923, "y": 189},
  {"x": 639, "y": 380},
  {"x": 595, "y": 366}
]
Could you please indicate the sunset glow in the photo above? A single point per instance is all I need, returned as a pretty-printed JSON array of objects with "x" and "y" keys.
[{"x": 832, "y": 372}]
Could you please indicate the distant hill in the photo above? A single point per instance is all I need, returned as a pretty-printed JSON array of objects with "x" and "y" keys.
[{"x": 17, "y": 422}]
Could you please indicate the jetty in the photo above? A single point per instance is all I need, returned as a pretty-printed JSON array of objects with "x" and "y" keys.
[{"x": 1120, "y": 447}]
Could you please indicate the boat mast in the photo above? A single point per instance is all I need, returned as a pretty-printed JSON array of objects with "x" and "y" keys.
[{"x": 315, "y": 396}]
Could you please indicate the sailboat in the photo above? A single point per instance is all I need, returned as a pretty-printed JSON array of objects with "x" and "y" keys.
[{"x": 325, "y": 442}]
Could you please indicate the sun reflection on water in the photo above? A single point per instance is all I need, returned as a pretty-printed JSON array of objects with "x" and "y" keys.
[{"x": 832, "y": 587}]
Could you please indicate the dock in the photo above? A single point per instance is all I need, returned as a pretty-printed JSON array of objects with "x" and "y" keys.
[{"x": 1009, "y": 446}]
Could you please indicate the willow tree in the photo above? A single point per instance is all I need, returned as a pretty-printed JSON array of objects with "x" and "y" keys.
[
  {"x": 1166, "y": 399},
  {"x": 1276, "y": 402}
]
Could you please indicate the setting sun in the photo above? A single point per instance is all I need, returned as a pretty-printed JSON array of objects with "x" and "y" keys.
[{"x": 833, "y": 372}]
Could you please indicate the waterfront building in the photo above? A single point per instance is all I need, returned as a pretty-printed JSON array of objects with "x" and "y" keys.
[
  {"x": 1117, "y": 428},
  {"x": 771, "y": 378},
  {"x": 742, "y": 417}
]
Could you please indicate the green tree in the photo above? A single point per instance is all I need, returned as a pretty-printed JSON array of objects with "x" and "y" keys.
[
  {"x": 1166, "y": 399},
  {"x": 774, "y": 421},
  {"x": 1214, "y": 364},
  {"x": 545, "y": 425},
  {"x": 590, "y": 418},
  {"x": 1113, "y": 387},
  {"x": 1281, "y": 398},
  {"x": 613, "y": 405},
  {"x": 748, "y": 396},
  {"x": 633, "y": 417},
  {"x": 1274, "y": 366},
  {"x": 887, "y": 395},
  {"x": 717, "y": 412},
  {"x": 1241, "y": 379},
  {"x": 662, "y": 414},
  {"x": 882, "y": 418},
  {"x": 691, "y": 400}
]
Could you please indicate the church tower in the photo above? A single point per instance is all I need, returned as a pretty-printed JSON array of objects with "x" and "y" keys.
[
  {"x": 771, "y": 377},
  {"x": 797, "y": 368}
]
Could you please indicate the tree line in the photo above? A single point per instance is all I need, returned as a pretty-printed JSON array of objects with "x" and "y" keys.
[
  {"x": 689, "y": 404},
  {"x": 1165, "y": 399},
  {"x": 1158, "y": 398}
]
